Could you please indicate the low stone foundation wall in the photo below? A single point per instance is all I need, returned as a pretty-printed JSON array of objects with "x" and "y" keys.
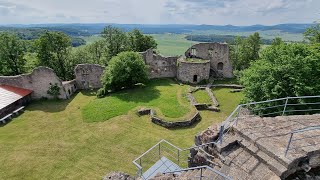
[
  {"x": 177, "y": 124},
  {"x": 169, "y": 124},
  {"x": 233, "y": 86},
  {"x": 208, "y": 107}
]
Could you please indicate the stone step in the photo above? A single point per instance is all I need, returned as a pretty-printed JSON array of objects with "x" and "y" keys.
[
  {"x": 270, "y": 162},
  {"x": 193, "y": 173},
  {"x": 225, "y": 170},
  {"x": 183, "y": 174},
  {"x": 256, "y": 146},
  {"x": 208, "y": 173},
  {"x": 229, "y": 140},
  {"x": 187, "y": 174}
]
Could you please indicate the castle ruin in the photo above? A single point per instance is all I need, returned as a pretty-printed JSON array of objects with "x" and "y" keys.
[{"x": 200, "y": 62}]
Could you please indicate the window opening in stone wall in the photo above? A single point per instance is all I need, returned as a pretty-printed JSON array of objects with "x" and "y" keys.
[
  {"x": 210, "y": 52},
  {"x": 193, "y": 52},
  {"x": 220, "y": 66}
]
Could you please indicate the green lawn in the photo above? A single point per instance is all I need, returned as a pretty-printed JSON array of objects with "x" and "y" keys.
[
  {"x": 202, "y": 97},
  {"x": 159, "y": 94},
  {"x": 52, "y": 139},
  {"x": 227, "y": 81}
]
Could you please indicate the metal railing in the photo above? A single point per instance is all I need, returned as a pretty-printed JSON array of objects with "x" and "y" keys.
[
  {"x": 300, "y": 131},
  {"x": 154, "y": 154},
  {"x": 270, "y": 108},
  {"x": 202, "y": 175},
  {"x": 173, "y": 153}
]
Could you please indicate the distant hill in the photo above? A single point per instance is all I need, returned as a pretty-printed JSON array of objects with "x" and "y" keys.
[
  {"x": 91, "y": 29},
  {"x": 220, "y": 38}
]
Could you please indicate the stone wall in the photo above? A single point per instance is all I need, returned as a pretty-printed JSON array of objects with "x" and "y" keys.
[
  {"x": 38, "y": 81},
  {"x": 160, "y": 66},
  {"x": 88, "y": 76},
  {"x": 217, "y": 53},
  {"x": 176, "y": 124},
  {"x": 193, "y": 72},
  {"x": 70, "y": 87},
  {"x": 169, "y": 124}
]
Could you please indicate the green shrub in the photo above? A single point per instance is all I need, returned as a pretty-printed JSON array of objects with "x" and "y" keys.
[
  {"x": 54, "y": 90},
  {"x": 124, "y": 71},
  {"x": 101, "y": 93}
]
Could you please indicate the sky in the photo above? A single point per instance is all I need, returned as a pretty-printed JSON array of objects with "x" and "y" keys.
[{"x": 215, "y": 12}]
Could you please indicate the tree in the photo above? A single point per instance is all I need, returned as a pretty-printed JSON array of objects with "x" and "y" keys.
[
  {"x": 53, "y": 50},
  {"x": 313, "y": 34},
  {"x": 254, "y": 42},
  {"x": 12, "y": 51},
  {"x": 116, "y": 40},
  {"x": 245, "y": 51},
  {"x": 283, "y": 70},
  {"x": 277, "y": 41},
  {"x": 139, "y": 42},
  {"x": 98, "y": 52},
  {"x": 124, "y": 71}
]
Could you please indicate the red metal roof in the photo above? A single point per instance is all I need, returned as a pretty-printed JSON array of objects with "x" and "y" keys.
[
  {"x": 10, "y": 94},
  {"x": 16, "y": 90}
]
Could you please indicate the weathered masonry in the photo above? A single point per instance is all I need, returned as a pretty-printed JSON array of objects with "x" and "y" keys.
[
  {"x": 42, "y": 78},
  {"x": 159, "y": 66},
  {"x": 88, "y": 76},
  {"x": 217, "y": 54},
  {"x": 193, "y": 72},
  {"x": 200, "y": 62}
]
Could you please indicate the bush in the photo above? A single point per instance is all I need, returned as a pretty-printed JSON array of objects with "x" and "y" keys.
[
  {"x": 101, "y": 93},
  {"x": 124, "y": 71},
  {"x": 54, "y": 90}
]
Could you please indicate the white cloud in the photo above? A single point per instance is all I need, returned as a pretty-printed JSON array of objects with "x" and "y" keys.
[{"x": 238, "y": 12}]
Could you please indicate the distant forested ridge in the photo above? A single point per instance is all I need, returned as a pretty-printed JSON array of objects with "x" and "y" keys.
[
  {"x": 31, "y": 33},
  {"x": 92, "y": 29},
  {"x": 220, "y": 38}
]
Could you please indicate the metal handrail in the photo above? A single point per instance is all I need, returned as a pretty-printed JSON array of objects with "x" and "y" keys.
[
  {"x": 230, "y": 121},
  {"x": 179, "y": 153},
  {"x": 201, "y": 167},
  {"x": 300, "y": 131}
]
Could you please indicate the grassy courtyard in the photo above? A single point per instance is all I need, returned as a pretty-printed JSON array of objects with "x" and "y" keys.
[
  {"x": 167, "y": 97},
  {"x": 202, "y": 96},
  {"x": 73, "y": 140}
]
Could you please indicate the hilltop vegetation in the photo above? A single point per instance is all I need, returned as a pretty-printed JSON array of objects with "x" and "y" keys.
[{"x": 54, "y": 49}]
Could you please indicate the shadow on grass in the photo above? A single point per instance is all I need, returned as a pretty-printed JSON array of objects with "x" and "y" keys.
[{"x": 50, "y": 106}]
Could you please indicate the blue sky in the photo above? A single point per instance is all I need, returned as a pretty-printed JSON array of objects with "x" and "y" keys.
[{"x": 218, "y": 12}]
